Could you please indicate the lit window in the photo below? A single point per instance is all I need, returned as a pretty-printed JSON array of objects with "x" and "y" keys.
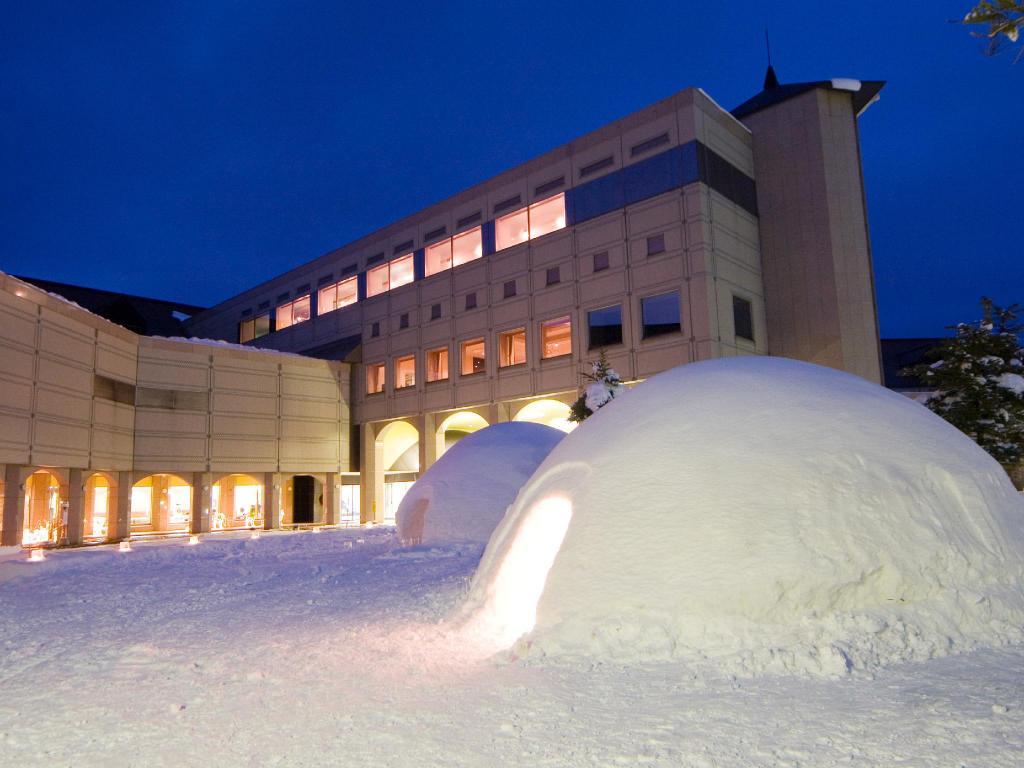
[
  {"x": 473, "y": 357},
  {"x": 437, "y": 364},
  {"x": 375, "y": 378},
  {"x": 293, "y": 312},
  {"x": 512, "y": 229},
  {"x": 377, "y": 280},
  {"x": 512, "y": 347},
  {"x": 547, "y": 216},
  {"x": 556, "y": 337},
  {"x": 742, "y": 319},
  {"x": 246, "y": 331},
  {"x": 604, "y": 326},
  {"x": 660, "y": 314},
  {"x": 337, "y": 295},
  {"x": 261, "y": 325},
  {"x": 467, "y": 247},
  {"x": 405, "y": 372},
  {"x": 402, "y": 272},
  {"x": 438, "y": 257}
]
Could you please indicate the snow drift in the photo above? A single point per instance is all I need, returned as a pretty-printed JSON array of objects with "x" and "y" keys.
[
  {"x": 757, "y": 515},
  {"x": 463, "y": 496}
]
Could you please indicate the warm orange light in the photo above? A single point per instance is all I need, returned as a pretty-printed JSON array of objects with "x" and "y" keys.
[{"x": 37, "y": 555}]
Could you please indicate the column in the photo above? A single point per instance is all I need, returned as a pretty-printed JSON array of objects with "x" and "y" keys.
[
  {"x": 331, "y": 495},
  {"x": 427, "y": 425},
  {"x": 271, "y": 501},
  {"x": 202, "y": 500},
  {"x": 371, "y": 481},
  {"x": 76, "y": 508},
  {"x": 119, "y": 523},
  {"x": 14, "y": 506}
]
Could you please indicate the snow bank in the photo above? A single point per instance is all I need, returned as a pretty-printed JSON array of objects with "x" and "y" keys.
[
  {"x": 757, "y": 515},
  {"x": 466, "y": 492}
]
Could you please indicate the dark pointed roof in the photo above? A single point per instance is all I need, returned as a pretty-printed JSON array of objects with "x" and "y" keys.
[{"x": 775, "y": 92}]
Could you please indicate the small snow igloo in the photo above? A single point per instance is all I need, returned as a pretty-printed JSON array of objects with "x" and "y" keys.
[
  {"x": 464, "y": 495},
  {"x": 759, "y": 514}
]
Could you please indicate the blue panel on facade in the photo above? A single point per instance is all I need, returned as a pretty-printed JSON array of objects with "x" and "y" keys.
[
  {"x": 487, "y": 237},
  {"x": 418, "y": 264},
  {"x": 361, "y": 284},
  {"x": 653, "y": 176},
  {"x": 598, "y": 197}
]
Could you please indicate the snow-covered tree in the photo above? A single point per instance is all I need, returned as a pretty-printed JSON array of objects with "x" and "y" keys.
[
  {"x": 603, "y": 387},
  {"x": 978, "y": 377}
]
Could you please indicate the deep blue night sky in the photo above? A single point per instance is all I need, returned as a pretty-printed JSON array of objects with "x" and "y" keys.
[{"x": 190, "y": 150}]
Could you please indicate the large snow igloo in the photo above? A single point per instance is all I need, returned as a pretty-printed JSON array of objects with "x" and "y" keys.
[
  {"x": 760, "y": 514},
  {"x": 465, "y": 493}
]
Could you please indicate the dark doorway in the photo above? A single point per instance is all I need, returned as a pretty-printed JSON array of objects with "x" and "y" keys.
[{"x": 303, "y": 490}]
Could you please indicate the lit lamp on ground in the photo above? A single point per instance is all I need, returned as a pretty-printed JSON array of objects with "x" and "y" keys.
[
  {"x": 193, "y": 540},
  {"x": 124, "y": 546},
  {"x": 255, "y": 535},
  {"x": 37, "y": 556}
]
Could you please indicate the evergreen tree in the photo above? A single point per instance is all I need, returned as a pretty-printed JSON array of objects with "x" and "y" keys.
[
  {"x": 605, "y": 385},
  {"x": 979, "y": 381}
]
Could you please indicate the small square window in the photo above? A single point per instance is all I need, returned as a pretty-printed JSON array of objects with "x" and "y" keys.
[
  {"x": 435, "y": 311},
  {"x": 655, "y": 244},
  {"x": 403, "y": 320},
  {"x": 554, "y": 276},
  {"x": 742, "y": 319},
  {"x": 470, "y": 301},
  {"x": 600, "y": 261},
  {"x": 375, "y": 330},
  {"x": 510, "y": 289}
]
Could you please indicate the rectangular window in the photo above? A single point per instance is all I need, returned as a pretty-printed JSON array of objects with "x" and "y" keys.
[
  {"x": 655, "y": 244},
  {"x": 435, "y": 311},
  {"x": 142, "y": 505},
  {"x": 405, "y": 372},
  {"x": 554, "y": 276},
  {"x": 293, "y": 312},
  {"x": 604, "y": 326},
  {"x": 403, "y": 320},
  {"x": 470, "y": 301},
  {"x": 467, "y": 247},
  {"x": 377, "y": 281},
  {"x": 742, "y": 319},
  {"x": 262, "y": 325},
  {"x": 509, "y": 289},
  {"x": 473, "y": 357},
  {"x": 438, "y": 257},
  {"x": 547, "y": 216},
  {"x": 402, "y": 271},
  {"x": 600, "y": 261},
  {"x": 437, "y": 364},
  {"x": 556, "y": 337},
  {"x": 374, "y": 378},
  {"x": 337, "y": 295},
  {"x": 660, "y": 314},
  {"x": 512, "y": 347},
  {"x": 512, "y": 229},
  {"x": 246, "y": 331},
  {"x": 375, "y": 330}
]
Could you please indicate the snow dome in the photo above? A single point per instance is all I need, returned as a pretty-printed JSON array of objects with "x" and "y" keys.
[
  {"x": 466, "y": 492},
  {"x": 757, "y": 514}
]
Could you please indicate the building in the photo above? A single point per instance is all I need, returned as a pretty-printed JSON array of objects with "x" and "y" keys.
[{"x": 679, "y": 233}]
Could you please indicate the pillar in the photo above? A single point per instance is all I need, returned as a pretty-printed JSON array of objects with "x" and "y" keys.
[
  {"x": 120, "y": 521},
  {"x": 331, "y": 494},
  {"x": 427, "y": 426},
  {"x": 14, "y": 506},
  {"x": 202, "y": 501},
  {"x": 371, "y": 478},
  {"x": 271, "y": 501},
  {"x": 75, "y": 526}
]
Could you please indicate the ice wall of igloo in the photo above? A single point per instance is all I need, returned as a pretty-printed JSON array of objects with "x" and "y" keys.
[
  {"x": 761, "y": 514},
  {"x": 464, "y": 495}
]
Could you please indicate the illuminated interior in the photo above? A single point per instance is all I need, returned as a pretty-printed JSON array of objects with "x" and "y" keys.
[
  {"x": 455, "y": 427},
  {"x": 293, "y": 312},
  {"x": 161, "y": 503},
  {"x": 405, "y": 372},
  {"x": 402, "y": 271},
  {"x": 398, "y": 447},
  {"x": 438, "y": 257},
  {"x": 337, "y": 295},
  {"x": 547, "y": 216},
  {"x": 253, "y": 328},
  {"x": 467, "y": 247},
  {"x": 551, "y": 413},
  {"x": 512, "y": 229},
  {"x": 510, "y": 610},
  {"x": 44, "y": 522},
  {"x": 98, "y": 499},
  {"x": 437, "y": 364},
  {"x": 374, "y": 378},
  {"x": 556, "y": 337},
  {"x": 473, "y": 357},
  {"x": 377, "y": 281},
  {"x": 512, "y": 347},
  {"x": 236, "y": 502}
]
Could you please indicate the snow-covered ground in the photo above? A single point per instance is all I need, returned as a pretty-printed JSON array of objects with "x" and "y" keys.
[{"x": 328, "y": 649}]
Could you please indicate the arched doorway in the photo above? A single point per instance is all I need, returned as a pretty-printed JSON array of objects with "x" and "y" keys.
[
  {"x": 44, "y": 519},
  {"x": 302, "y": 500},
  {"x": 398, "y": 459},
  {"x": 161, "y": 503},
  {"x": 237, "y": 502},
  {"x": 551, "y": 413},
  {"x": 99, "y": 499},
  {"x": 456, "y": 427}
]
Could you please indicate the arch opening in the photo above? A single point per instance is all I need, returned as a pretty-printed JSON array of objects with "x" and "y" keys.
[
  {"x": 161, "y": 503},
  {"x": 99, "y": 499},
  {"x": 457, "y": 426},
  {"x": 550, "y": 413},
  {"x": 45, "y": 510},
  {"x": 237, "y": 501},
  {"x": 398, "y": 464}
]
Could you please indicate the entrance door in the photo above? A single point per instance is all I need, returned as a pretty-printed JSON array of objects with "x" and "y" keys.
[{"x": 303, "y": 490}]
